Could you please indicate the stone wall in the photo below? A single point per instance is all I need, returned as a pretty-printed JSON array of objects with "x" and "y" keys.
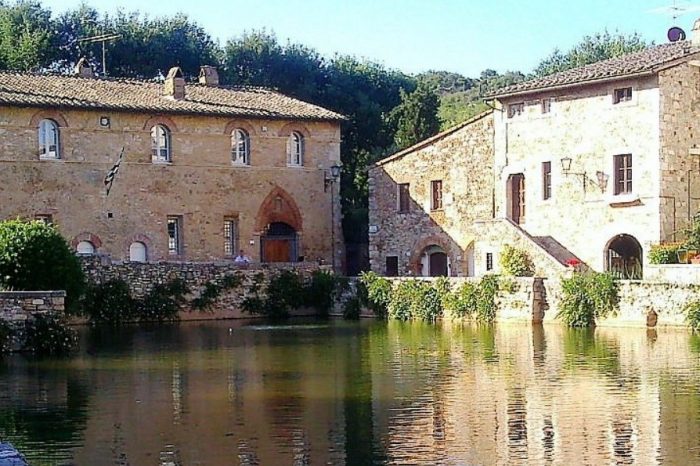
[
  {"x": 682, "y": 274},
  {"x": 141, "y": 278},
  {"x": 18, "y": 306},
  {"x": 462, "y": 158},
  {"x": 200, "y": 184}
]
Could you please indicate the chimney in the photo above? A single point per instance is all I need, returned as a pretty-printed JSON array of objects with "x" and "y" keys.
[
  {"x": 208, "y": 76},
  {"x": 175, "y": 84},
  {"x": 695, "y": 35},
  {"x": 83, "y": 69}
]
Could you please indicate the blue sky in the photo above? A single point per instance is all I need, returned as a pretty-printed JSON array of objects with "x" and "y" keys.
[{"x": 412, "y": 35}]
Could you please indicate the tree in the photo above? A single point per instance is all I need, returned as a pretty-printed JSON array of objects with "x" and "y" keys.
[
  {"x": 34, "y": 256},
  {"x": 26, "y": 37},
  {"x": 591, "y": 49},
  {"x": 416, "y": 117}
]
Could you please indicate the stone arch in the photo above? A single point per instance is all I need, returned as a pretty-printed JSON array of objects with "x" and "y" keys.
[
  {"x": 414, "y": 262},
  {"x": 160, "y": 120},
  {"x": 86, "y": 236},
  {"x": 289, "y": 127},
  {"x": 48, "y": 115},
  {"x": 139, "y": 238},
  {"x": 280, "y": 207},
  {"x": 233, "y": 124},
  {"x": 624, "y": 256}
]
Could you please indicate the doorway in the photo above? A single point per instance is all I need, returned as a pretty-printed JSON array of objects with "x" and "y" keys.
[
  {"x": 516, "y": 198},
  {"x": 279, "y": 243}
]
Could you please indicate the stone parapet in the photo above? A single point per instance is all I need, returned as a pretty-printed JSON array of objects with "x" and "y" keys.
[{"x": 18, "y": 306}]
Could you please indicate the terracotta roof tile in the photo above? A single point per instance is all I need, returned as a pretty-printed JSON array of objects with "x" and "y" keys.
[
  {"x": 647, "y": 60},
  {"x": 46, "y": 90}
]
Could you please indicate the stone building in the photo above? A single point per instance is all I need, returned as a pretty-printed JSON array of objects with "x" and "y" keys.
[
  {"x": 593, "y": 164},
  {"x": 207, "y": 169}
]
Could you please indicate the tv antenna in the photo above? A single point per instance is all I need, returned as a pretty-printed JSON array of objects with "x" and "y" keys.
[{"x": 102, "y": 38}]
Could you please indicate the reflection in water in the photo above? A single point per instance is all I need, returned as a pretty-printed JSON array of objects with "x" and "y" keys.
[{"x": 359, "y": 394}]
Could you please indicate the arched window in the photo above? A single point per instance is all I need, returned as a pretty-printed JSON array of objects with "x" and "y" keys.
[
  {"x": 138, "y": 252},
  {"x": 48, "y": 139},
  {"x": 240, "y": 147},
  {"x": 295, "y": 149},
  {"x": 160, "y": 143},
  {"x": 85, "y": 248}
]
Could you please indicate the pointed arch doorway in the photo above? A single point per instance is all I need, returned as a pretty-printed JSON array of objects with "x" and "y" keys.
[{"x": 279, "y": 226}]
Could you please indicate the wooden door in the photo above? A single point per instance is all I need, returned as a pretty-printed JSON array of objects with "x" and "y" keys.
[
  {"x": 438, "y": 264},
  {"x": 277, "y": 250},
  {"x": 517, "y": 195}
]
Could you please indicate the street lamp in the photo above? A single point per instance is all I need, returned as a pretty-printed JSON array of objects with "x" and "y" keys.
[
  {"x": 328, "y": 183},
  {"x": 566, "y": 169}
]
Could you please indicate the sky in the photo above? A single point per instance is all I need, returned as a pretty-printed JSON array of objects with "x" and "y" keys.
[{"x": 464, "y": 36}]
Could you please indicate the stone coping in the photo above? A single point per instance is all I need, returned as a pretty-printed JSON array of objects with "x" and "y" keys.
[{"x": 32, "y": 294}]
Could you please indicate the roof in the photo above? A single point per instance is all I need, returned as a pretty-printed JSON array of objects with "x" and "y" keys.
[
  {"x": 50, "y": 90},
  {"x": 431, "y": 140},
  {"x": 646, "y": 61}
]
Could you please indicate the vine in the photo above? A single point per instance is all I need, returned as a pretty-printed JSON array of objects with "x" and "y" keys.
[{"x": 587, "y": 297}]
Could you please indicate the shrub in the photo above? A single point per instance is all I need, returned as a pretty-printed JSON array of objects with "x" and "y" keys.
[
  {"x": 692, "y": 315},
  {"x": 587, "y": 297},
  {"x": 462, "y": 302},
  {"x": 34, "y": 256},
  {"x": 284, "y": 292},
  {"x": 321, "y": 291},
  {"x": 486, "y": 299},
  {"x": 404, "y": 294},
  {"x": 163, "y": 302},
  {"x": 352, "y": 308},
  {"x": 47, "y": 335},
  {"x": 516, "y": 262},
  {"x": 213, "y": 289},
  {"x": 693, "y": 233},
  {"x": 109, "y": 303},
  {"x": 6, "y": 337},
  {"x": 378, "y": 292},
  {"x": 664, "y": 253}
]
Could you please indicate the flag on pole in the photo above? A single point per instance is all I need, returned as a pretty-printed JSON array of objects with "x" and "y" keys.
[{"x": 112, "y": 173}]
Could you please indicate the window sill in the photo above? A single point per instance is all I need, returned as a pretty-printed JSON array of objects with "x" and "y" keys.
[
  {"x": 291, "y": 165},
  {"x": 46, "y": 157},
  {"x": 161, "y": 162},
  {"x": 624, "y": 200},
  {"x": 441, "y": 209},
  {"x": 240, "y": 165}
]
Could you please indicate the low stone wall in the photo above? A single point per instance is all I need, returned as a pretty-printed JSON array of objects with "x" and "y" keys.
[
  {"x": 18, "y": 306},
  {"x": 672, "y": 273},
  {"x": 142, "y": 277}
]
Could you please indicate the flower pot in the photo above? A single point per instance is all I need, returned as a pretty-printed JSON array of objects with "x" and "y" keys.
[
  {"x": 682, "y": 256},
  {"x": 695, "y": 260}
]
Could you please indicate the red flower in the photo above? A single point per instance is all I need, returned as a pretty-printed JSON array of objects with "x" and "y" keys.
[{"x": 573, "y": 262}]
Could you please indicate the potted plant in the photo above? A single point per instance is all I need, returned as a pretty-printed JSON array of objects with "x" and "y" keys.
[{"x": 692, "y": 242}]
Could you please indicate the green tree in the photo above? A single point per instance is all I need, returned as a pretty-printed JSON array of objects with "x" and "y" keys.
[
  {"x": 26, "y": 37},
  {"x": 34, "y": 256},
  {"x": 416, "y": 117},
  {"x": 591, "y": 49}
]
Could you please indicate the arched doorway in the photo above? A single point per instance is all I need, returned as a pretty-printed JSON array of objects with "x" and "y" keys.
[
  {"x": 138, "y": 252},
  {"x": 278, "y": 243},
  {"x": 516, "y": 198},
  {"x": 85, "y": 248},
  {"x": 434, "y": 262},
  {"x": 623, "y": 257}
]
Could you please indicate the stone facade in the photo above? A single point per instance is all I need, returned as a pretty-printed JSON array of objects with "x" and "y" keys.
[
  {"x": 18, "y": 306},
  {"x": 200, "y": 185}
]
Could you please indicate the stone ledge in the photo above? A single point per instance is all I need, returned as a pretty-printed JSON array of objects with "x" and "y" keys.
[{"x": 31, "y": 294}]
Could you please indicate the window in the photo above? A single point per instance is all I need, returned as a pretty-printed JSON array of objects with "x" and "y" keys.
[
  {"x": 623, "y": 174},
  {"x": 516, "y": 109},
  {"x": 295, "y": 149},
  {"x": 404, "y": 198},
  {"x": 489, "y": 261},
  {"x": 174, "y": 235},
  {"x": 546, "y": 105},
  {"x": 622, "y": 95},
  {"x": 392, "y": 266},
  {"x": 138, "y": 252},
  {"x": 48, "y": 140},
  {"x": 240, "y": 147},
  {"x": 160, "y": 143},
  {"x": 436, "y": 198},
  {"x": 85, "y": 248},
  {"x": 230, "y": 236},
  {"x": 546, "y": 180},
  {"x": 45, "y": 218}
]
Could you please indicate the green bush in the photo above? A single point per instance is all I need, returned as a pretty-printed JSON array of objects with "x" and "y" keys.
[
  {"x": 692, "y": 315},
  {"x": 213, "y": 289},
  {"x": 34, "y": 256},
  {"x": 352, "y": 308},
  {"x": 378, "y": 292},
  {"x": 486, "y": 299},
  {"x": 516, "y": 262},
  {"x": 418, "y": 300},
  {"x": 47, "y": 335},
  {"x": 462, "y": 302},
  {"x": 321, "y": 290},
  {"x": 403, "y": 296},
  {"x": 587, "y": 297},
  {"x": 6, "y": 337},
  {"x": 109, "y": 303},
  {"x": 664, "y": 253},
  {"x": 284, "y": 292},
  {"x": 693, "y": 233},
  {"x": 163, "y": 302}
]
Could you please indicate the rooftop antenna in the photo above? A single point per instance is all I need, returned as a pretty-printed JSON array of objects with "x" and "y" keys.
[
  {"x": 103, "y": 38},
  {"x": 675, "y": 10}
]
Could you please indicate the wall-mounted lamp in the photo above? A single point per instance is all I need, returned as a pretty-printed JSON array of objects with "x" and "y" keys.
[
  {"x": 602, "y": 178},
  {"x": 566, "y": 169},
  {"x": 329, "y": 180}
]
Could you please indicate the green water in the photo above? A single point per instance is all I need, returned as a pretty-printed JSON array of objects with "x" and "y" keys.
[{"x": 332, "y": 392}]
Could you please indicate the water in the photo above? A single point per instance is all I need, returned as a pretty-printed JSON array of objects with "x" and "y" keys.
[{"x": 315, "y": 393}]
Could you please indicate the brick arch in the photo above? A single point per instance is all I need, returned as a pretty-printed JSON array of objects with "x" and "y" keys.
[
  {"x": 160, "y": 120},
  {"x": 48, "y": 115},
  {"x": 285, "y": 210},
  {"x": 86, "y": 236},
  {"x": 233, "y": 124},
  {"x": 138, "y": 237},
  {"x": 422, "y": 244},
  {"x": 289, "y": 127}
]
